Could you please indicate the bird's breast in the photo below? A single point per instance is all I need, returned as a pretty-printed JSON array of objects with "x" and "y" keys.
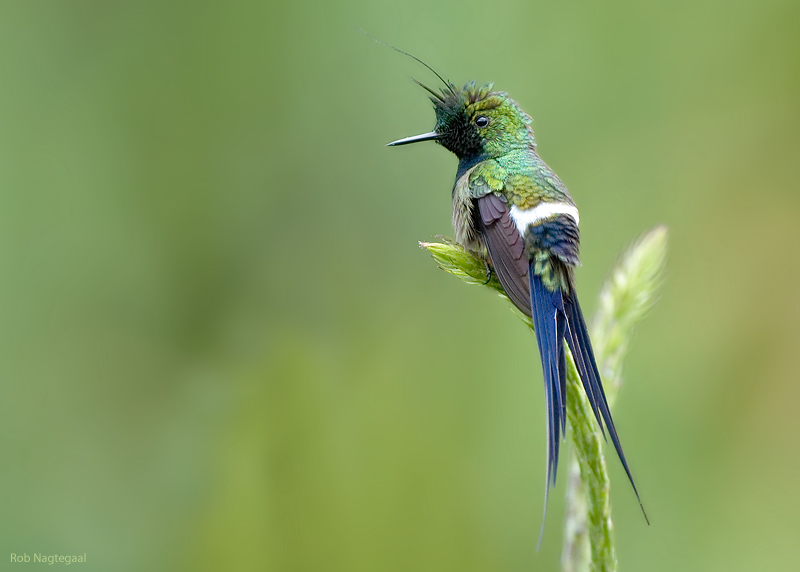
[{"x": 465, "y": 228}]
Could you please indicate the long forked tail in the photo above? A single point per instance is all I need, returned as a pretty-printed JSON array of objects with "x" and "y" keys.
[
  {"x": 550, "y": 325},
  {"x": 557, "y": 317}
]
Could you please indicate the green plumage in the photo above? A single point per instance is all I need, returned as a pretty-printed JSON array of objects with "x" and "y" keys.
[
  {"x": 505, "y": 163},
  {"x": 511, "y": 210}
]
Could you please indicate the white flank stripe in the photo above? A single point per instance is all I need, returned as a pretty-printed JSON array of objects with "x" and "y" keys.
[{"x": 523, "y": 218}]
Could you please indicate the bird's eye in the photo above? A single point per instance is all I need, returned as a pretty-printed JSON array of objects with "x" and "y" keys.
[{"x": 482, "y": 121}]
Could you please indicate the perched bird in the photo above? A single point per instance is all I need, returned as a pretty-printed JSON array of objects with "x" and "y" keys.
[{"x": 512, "y": 210}]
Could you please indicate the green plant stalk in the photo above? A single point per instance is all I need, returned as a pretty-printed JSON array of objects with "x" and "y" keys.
[
  {"x": 625, "y": 298},
  {"x": 588, "y": 539}
]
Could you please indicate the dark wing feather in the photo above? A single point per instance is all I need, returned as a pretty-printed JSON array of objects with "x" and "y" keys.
[{"x": 506, "y": 249}]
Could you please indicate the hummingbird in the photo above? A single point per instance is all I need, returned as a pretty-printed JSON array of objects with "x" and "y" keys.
[{"x": 512, "y": 211}]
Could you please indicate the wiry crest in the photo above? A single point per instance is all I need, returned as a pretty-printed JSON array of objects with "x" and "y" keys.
[
  {"x": 449, "y": 85},
  {"x": 435, "y": 97},
  {"x": 457, "y": 110},
  {"x": 454, "y": 98}
]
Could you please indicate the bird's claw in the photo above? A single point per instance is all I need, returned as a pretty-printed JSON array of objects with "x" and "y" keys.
[{"x": 488, "y": 272}]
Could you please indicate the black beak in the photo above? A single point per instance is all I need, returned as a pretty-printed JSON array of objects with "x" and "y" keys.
[{"x": 415, "y": 139}]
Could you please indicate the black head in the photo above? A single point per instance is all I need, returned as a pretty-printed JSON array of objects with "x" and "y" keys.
[{"x": 476, "y": 122}]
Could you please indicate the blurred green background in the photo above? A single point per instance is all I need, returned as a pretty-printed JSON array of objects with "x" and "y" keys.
[{"x": 221, "y": 349}]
